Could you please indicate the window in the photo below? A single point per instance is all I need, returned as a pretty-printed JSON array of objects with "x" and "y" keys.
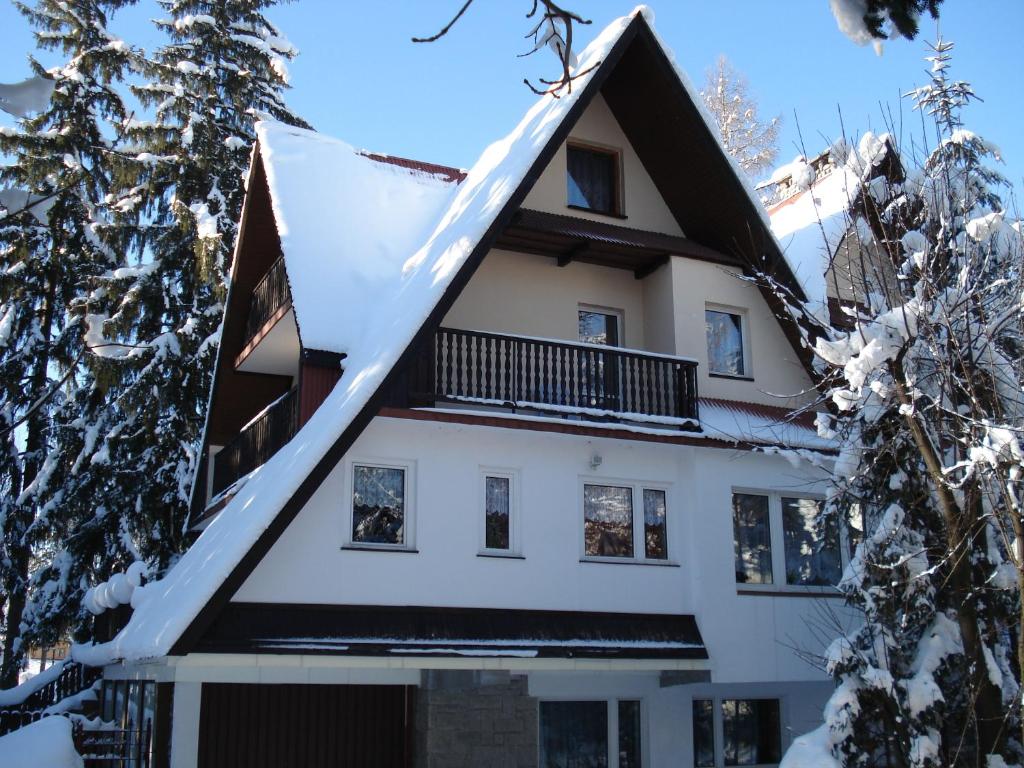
[
  {"x": 379, "y": 505},
  {"x": 750, "y": 732},
  {"x": 590, "y": 734},
  {"x": 725, "y": 342},
  {"x": 131, "y": 705},
  {"x": 752, "y": 539},
  {"x": 599, "y": 327},
  {"x": 593, "y": 179},
  {"x": 812, "y": 555},
  {"x": 500, "y": 517},
  {"x": 780, "y": 539},
  {"x": 610, "y": 528},
  {"x": 703, "y": 733},
  {"x": 750, "y": 728}
]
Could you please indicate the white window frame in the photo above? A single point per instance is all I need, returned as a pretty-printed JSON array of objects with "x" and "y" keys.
[
  {"x": 613, "y": 724},
  {"x": 639, "y": 545},
  {"x": 777, "y": 540},
  {"x": 408, "y": 525},
  {"x": 748, "y": 363},
  {"x": 514, "y": 534}
]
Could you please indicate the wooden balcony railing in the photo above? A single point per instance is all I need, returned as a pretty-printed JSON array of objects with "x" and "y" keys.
[
  {"x": 261, "y": 439},
  {"x": 269, "y": 296},
  {"x": 589, "y": 380}
]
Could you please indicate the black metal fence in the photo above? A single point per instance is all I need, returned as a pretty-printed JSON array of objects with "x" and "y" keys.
[
  {"x": 257, "y": 442},
  {"x": 115, "y": 747},
  {"x": 270, "y": 294},
  {"x": 74, "y": 678},
  {"x": 560, "y": 376}
]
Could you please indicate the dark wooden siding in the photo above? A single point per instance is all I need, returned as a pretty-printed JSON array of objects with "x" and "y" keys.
[
  {"x": 305, "y": 726},
  {"x": 317, "y": 381}
]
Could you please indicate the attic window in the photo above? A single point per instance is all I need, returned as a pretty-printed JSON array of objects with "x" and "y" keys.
[{"x": 593, "y": 179}]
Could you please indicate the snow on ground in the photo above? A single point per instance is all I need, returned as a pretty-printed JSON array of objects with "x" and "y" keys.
[
  {"x": 43, "y": 744},
  {"x": 325, "y": 194}
]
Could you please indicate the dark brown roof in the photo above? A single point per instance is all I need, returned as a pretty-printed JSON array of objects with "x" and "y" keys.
[
  {"x": 569, "y": 238},
  {"x": 381, "y": 630}
]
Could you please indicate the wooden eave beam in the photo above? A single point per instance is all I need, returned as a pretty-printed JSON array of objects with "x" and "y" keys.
[
  {"x": 576, "y": 252},
  {"x": 641, "y": 272}
]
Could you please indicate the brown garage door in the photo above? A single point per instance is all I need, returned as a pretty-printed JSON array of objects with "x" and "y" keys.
[{"x": 305, "y": 726}]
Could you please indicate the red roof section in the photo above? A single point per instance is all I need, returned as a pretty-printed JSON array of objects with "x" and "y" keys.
[{"x": 450, "y": 174}]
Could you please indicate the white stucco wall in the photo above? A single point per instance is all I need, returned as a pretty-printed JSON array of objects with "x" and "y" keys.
[
  {"x": 775, "y": 371},
  {"x": 748, "y": 638},
  {"x": 526, "y": 294},
  {"x": 644, "y": 207}
]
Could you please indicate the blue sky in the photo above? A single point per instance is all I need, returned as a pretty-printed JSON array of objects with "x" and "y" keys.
[{"x": 360, "y": 78}]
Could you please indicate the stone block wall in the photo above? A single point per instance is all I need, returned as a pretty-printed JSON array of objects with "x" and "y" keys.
[{"x": 472, "y": 719}]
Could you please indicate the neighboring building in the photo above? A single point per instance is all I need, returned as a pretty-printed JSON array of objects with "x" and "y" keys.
[{"x": 501, "y": 466}]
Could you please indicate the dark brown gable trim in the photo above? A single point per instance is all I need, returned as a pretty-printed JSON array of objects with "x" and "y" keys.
[{"x": 199, "y": 625}]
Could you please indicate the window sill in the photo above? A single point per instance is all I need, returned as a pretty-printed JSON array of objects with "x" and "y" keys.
[
  {"x": 501, "y": 555},
  {"x": 379, "y": 548},
  {"x": 788, "y": 590},
  {"x": 714, "y": 375},
  {"x": 630, "y": 561},
  {"x": 609, "y": 214}
]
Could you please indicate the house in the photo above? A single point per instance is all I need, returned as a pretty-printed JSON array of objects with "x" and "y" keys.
[{"x": 502, "y": 466}]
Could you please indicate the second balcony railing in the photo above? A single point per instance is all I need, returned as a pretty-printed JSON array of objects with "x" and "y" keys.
[
  {"x": 270, "y": 295},
  {"x": 257, "y": 442},
  {"x": 590, "y": 380}
]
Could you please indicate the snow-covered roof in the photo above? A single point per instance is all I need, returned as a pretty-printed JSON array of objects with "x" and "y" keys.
[
  {"x": 331, "y": 203},
  {"x": 811, "y": 223},
  {"x": 331, "y": 206}
]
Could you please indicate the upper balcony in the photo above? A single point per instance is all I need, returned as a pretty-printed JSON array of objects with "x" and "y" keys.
[
  {"x": 486, "y": 370},
  {"x": 270, "y": 340}
]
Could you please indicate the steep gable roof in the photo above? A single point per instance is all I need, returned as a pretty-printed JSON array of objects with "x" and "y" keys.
[{"x": 172, "y": 613}]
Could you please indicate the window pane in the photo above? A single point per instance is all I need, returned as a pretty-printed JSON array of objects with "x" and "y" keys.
[
  {"x": 573, "y": 734},
  {"x": 108, "y": 700},
  {"x": 725, "y": 342},
  {"x": 598, "y": 328},
  {"x": 378, "y": 505},
  {"x": 591, "y": 179},
  {"x": 608, "y": 520},
  {"x": 655, "y": 534},
  {"x": 497, "y": 510},
  {"x": 703, "y": 733},
  {"x": 750, "y": 731},
  {"x": 629, "y": 734},
  {"x": 752, "y": 539},
  {"x": 811, "y": 557}
]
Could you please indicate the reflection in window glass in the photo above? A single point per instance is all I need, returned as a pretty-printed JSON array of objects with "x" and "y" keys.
[
  {"x": 378, "y": 505},
  {"x": 608, "y": 520},
  {"x": 573, "y": 734},
  {"x": 591, "y": 179},
  {"x": 750, "y": 731},
  {"x": 752, "y": 539},
  {"x": 655, "y": 535},
  {"x": 598, "y": 328},
  {"x": 725, "y": 342},
  {"x": 812, "y": 555},
  {"x": 629, "y": 734},
  {"x": 854, "y": 527},
  {"x": 496, "y": 501},
  {"x": 703, "y": 733}
]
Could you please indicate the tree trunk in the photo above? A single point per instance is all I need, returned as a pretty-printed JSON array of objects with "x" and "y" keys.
[{"x": 16, "y": 584}]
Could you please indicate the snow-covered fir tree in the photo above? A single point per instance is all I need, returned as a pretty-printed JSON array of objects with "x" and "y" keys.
[
  {"x": 155, "y": 321},
  {"x": 749, "y": 139},
  {"x": 926, "y": 393},
  {"x": 52, "y": 244}
]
